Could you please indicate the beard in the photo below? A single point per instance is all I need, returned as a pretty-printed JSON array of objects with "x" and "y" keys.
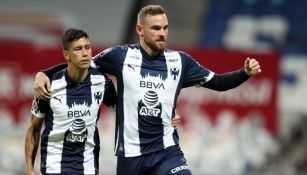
[{"x": 154, "y": 45}]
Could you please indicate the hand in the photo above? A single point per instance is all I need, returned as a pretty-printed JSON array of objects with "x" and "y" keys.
[
  {"x": 41, "y": 86},
  {"x": 176, "y": 121},
  {"x": 252, "y": 67}
]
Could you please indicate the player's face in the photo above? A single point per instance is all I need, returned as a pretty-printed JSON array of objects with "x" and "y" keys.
[
  {"x": 155, "y": 31},
  {"x": 79, "y": 54}
]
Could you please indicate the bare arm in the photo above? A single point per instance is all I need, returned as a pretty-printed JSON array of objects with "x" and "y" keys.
[{"x": 31, "y": 143}]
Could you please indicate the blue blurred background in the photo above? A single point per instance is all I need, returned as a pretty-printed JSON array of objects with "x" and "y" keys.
[{"x": 30, "y": 33}]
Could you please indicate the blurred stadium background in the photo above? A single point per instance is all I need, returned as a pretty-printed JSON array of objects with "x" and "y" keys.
[{"x": 256, "y": 129}]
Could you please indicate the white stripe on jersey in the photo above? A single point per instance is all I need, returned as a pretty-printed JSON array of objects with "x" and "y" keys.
[
  {"x": 97, "y": 86},
  {"x": 168, "y": 129},
  {"x": 54, "y": 152},
  {"x": 56, "y": 137},
  {"x": 131, "y": 134}
]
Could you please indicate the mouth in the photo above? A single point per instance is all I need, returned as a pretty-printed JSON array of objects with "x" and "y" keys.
[
  {"x": 160, "y": 41},
  {"x": 85, "y": 61}
]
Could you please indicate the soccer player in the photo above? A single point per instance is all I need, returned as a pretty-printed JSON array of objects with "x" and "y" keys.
[
  {"x": 70, "y": 141},
  {"x": 149, "y": 80}
]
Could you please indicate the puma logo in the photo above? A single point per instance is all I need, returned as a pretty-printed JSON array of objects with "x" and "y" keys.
[
  {"x": 59, "y": 98},
  {"x": 132, "y": 67}
]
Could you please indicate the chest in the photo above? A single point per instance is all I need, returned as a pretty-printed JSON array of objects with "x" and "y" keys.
[
  {"x": 77, "y": 101},
  {"x": 160, "y": 76}
]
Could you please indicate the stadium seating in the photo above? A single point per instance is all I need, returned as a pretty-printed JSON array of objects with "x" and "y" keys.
[{"x": 285, "y": 19}]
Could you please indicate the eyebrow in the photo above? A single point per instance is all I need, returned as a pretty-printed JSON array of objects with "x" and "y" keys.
[{"x": 155, "y": 26}]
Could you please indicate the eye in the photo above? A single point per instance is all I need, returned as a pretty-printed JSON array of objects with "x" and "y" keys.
[
  {"x": 78, "y": 48},
  {"x": 156, "y": 27}
]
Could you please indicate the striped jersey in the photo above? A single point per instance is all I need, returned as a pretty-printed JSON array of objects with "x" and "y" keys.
[
  {"x": 147, "y": 90},
  {"x": 70, "y": 140}
]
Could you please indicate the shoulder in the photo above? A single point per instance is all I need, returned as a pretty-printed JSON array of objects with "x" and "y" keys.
[
  {"x": 96, "y": 72},
  {"x": 132, "y": 46},
  {"x": 99, "y": 78},
  {"x": 127, "y": 47},
  {"x": 117, "y": 51},
  {"x": 98, "y": 75},
  {"x": 121, "y": 48},
  {"x": 58, "y": 75},
  {"x": 181, "y": 53},
  {"x": 173, "y": 53}
]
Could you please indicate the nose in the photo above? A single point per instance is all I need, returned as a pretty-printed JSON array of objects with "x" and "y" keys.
[
  {"x": 162, "y": 32},
  {"x": 85, "y": 52}
]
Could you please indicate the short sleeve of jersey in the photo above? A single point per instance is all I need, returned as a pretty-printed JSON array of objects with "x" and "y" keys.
[
  {"x": 39, "y": 107},
  {"x": 108, "y": 60},
  {"x": 194, "y": 74}
]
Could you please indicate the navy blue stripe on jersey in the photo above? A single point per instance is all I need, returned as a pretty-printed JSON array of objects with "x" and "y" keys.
[
  {"x": 72, "y": 149},
  {"x": 151, "y": 128},
  {"x": 109, "y": 100},
  {"x": 96, "y": 149},
  {"x": 83, "y": 90},
  {"x": 44, "y": 140},
  {"x": 154, "y": 67},
  {"x": 119, "y": 127},
  {"x": 175, "y": 134},
  {"x": 72, "y": 156}
]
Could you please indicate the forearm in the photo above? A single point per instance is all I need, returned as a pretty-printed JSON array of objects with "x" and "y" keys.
[
  {"x": 51, "y": 70},
  {"x": 227, "y": 81},
  {"x": 31, "y": 146}
]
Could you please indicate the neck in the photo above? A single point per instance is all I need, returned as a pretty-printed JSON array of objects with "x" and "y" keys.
[
  {"x": 77, "y": 75},
  {"x": 151, "y": 53}
]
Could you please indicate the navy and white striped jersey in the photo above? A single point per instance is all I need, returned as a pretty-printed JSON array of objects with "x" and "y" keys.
[
  {"x": 147, "y": 90},
  {"x": 70, "y": 140}
]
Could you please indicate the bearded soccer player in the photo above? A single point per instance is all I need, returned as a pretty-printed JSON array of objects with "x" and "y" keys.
[{"x": 149, "y": 80}]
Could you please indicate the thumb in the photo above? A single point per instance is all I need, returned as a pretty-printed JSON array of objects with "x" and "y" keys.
[
  {"x": 247, "y": 61},
  {"x": 246, "y": 65}
]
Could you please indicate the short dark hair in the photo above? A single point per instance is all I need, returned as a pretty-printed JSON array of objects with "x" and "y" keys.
[
  {"x": 149, "y": 10},
  {"x": 71, "y": 35}
]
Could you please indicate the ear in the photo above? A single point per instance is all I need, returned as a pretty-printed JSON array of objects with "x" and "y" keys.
[
  {"x": 139, "y": 30},
  {"x": 65, "y": 54}
]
